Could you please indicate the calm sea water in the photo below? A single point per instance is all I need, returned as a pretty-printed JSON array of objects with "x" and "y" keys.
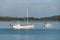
[{"x": 38, "y": 33}]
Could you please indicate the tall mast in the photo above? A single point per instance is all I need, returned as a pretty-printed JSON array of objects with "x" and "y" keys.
[{"x": 27, "y": 17}]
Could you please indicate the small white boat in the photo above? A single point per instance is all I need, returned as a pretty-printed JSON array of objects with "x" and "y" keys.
[
  {"x": 27, "y": 26},
  {"x": 47, "y": 25}
]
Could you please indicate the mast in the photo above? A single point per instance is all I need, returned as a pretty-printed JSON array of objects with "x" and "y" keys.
[{"x": 27, "y": 17}]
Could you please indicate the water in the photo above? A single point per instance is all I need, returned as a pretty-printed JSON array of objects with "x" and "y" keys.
[{"x": 39, "y": 33}]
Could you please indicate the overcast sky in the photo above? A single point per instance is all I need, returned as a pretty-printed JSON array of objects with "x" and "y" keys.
[{"x": 37, "y": 8}]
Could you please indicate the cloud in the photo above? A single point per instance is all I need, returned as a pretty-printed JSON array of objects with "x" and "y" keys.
[{"x": 18, "y": 7}]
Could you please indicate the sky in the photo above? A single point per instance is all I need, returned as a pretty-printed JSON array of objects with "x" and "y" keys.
[{"x": 36, "y": 8}]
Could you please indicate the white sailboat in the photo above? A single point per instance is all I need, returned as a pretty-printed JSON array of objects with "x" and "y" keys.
[{"x": 19, "y": 26}]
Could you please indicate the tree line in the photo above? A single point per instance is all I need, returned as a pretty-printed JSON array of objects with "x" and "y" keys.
[{"x": 51, "y": 18}]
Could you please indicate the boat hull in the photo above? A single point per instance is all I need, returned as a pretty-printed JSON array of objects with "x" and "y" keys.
[{"x": 18, "y": 26}]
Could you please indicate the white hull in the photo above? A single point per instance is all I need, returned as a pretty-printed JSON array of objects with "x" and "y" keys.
[{"x": 18, "y": 26}]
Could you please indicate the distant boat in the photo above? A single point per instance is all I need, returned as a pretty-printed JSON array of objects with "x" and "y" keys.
[
  {"x": 19, "y": 26},
  {"x": 47, "y": 25}
]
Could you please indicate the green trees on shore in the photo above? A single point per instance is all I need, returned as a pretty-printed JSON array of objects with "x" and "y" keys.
[{"x": 52, "y": 18}]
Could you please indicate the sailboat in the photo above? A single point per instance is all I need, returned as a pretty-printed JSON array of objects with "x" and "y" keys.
[{"x": 19, "y": 26}]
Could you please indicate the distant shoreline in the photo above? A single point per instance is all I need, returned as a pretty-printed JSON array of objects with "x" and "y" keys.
[{"x": 52, "y": 18}]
